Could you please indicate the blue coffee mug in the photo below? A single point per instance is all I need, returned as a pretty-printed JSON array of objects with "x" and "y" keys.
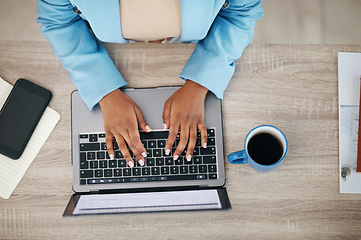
[{"x": 243, "y": 157}]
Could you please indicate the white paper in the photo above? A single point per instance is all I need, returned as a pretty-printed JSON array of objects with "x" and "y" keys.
[
  {"x": 11, "y": 171},
  {"x": 148, "y": 202},
  {"x": 349, "y": 73}
]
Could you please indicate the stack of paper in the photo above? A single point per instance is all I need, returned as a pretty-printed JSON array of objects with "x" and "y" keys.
[{"x": 349, "y": 73}]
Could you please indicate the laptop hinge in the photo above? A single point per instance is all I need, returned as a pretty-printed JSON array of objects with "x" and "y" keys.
[
  {"x": 94, "y": 191},
  {"x": 203, "y": 186}
]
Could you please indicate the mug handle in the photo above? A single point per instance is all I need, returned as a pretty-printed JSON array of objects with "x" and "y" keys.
[{"x": 237, "y": 157}]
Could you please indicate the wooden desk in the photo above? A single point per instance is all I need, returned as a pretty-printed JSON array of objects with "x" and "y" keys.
[{"x": 293, "y": 87}]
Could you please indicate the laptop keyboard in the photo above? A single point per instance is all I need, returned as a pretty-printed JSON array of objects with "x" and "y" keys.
[{"x": 97, "y": 168}]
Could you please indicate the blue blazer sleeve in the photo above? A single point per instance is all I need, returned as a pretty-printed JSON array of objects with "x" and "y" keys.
[
  {"x": 212, "y": 62},
  {"x": 90, "y": 67}
]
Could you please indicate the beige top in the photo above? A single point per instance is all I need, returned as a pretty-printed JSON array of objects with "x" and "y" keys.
[{"x": 150, "y": 19}]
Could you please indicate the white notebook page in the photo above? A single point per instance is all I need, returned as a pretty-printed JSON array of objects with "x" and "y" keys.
[{"x": 11, "y": 171}]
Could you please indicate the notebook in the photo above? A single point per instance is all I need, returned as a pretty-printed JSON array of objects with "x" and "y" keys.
[
  {"x": 12, "y": 171},
  {"x": 111, "y": 180}
]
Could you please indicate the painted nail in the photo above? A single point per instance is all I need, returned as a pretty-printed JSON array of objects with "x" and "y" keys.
[
  {"x": 148, "y": 128},
  {"x": 131, "y": 164},
  {"x": 167, "y": 152},
  {"x": 175, "y": 157},
  {"x": 141, "y": 162},
  {"x": 189, "y": 157},
  {"x": 111, "y": 156},
  {"x": 165, "y": 126},
  {"x": 204, "y": 145},
  {"x": 144, "y": 154}
]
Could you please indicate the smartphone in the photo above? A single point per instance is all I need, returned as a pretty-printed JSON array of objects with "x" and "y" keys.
[{"x": 19, "y": 116}]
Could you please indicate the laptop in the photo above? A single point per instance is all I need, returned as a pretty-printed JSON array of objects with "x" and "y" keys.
[{"x": 179, "y": 185}]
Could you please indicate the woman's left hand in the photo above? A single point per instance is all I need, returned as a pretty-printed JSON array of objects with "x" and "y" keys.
[{"x": 184, "y": 111}]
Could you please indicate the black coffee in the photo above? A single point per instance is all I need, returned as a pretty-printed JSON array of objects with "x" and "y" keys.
[{"x": 265, "y": 149}]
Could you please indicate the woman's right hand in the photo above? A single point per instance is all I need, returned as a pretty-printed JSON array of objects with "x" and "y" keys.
[{"x": 122, "y": 116}]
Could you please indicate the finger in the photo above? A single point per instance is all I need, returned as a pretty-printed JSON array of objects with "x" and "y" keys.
[
  {"x": 166, "y": 114},
  {"x": 191, "y": 143},
  {"x": 183, "y": 140},
  {"x": 138, "y": 155},
  {"x": 109, "y": 144},
  {"x": 136, "y": 143},
  {"x": 202, "y": 128},
  {"x": 173, "y": 131},
  {"x": 141, "y": 121},
  {"x": 124, "y": 149}
]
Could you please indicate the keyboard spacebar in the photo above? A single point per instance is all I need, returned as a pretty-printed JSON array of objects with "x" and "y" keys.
[{"x": 148, "y": 179}]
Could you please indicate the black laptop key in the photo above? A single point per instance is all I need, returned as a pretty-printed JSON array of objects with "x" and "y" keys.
[
  {"x": 193, "y": 169},
  {"x": 197, "y": 159},
  {"x": 212, "y": 168},
  {"x": 154, "y": 135},
  {"x": 103, "y": 164},
  {"x": 164, "y": 170},
  {"x": 118, "y": 154},
  {"x": 82, "y": 182},
  {"x": 137, "y": 171},
  {"x": 159, "y": 161},
  {"x": 174, "y": 170},
  {"x": 150, "y": 162},
  {"x": 93, "y": 164},
  {"x": 117, "y": 172},
  {"x": 211, "y": 141},
  {"x": 100, "y": 155},
  {"x": 84, "y": 164},
  {"x": 210, "y": 132},
  {"x": 127, "y": 172},
  {"x": 122, "y": 163},
  {"x": 187, "y": 177},
  {"x": 184, "y": 169},
  {"x": 155, "y": 170},
  {"x": 99, "y": 173},
  {"x": 203, "y": 169},
  {"x": 157, "y": 152},
  {"x": 83, "y": 136},
  {"x": 108, "y": 173},
  {"x": 145, "y": 171},
  {"x": 103, "y": 146},
  {"x": 86, "y": 173},
  {"x": 152, "y": 144},
  {"x": 113, "y": 163},
  {"x": 161, "y": 143},
  {"x": 208, "y": 151},
  {"x": 212, "y": 176},
  {"x": 179, "y": 161},
  {"x": 90, "y": 155},
  {"x": 89, "y": 146},
  {"x": 93, "y": 137},
  {"x": 209, "y": 159},
  {"x": 169, "y": 161}
]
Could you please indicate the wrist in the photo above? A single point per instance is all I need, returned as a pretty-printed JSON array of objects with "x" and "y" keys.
[{"x": 196, "y": 87}]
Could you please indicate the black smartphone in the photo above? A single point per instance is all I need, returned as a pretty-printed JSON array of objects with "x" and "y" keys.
[{"x": 19, "y": 116}]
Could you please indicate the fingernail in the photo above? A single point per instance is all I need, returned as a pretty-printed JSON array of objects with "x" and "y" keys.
[
  {"x": 167, "y": 152},
  {"x": 164, "y": 126},
  {"x": 148, "y": 128},
  {"x": 131, "y": 164},
  {"x": 144, "y": 154},
  {"x": 141, "y": 162},
  {"x": 204, "y": 145},
  {"x": 111, "y": 156},
  {"x": 189, "y": 157},
  {"x": 175, "y": 157}
]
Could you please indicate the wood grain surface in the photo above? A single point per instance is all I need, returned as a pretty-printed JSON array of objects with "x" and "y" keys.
[{"x": 293, "y": 87}]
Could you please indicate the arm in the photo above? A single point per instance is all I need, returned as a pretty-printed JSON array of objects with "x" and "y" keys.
[
  {"x": 94, "y": 74},
  {"x": 90, "y": 68},
  {"x": 212, "y": 62},
  {"x": 210, "y": 67}
]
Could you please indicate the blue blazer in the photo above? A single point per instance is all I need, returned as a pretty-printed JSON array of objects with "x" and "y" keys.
[{"x": 222, "y": 30}]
